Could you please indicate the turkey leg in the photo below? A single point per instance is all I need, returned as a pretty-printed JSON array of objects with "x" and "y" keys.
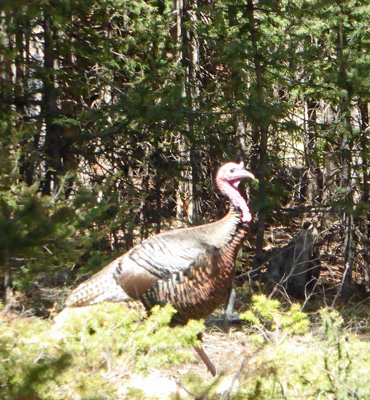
[{"x": 202, "y": 354}]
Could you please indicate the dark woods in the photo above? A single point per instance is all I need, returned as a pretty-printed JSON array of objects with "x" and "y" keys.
[{"x": 116, "y": 115}]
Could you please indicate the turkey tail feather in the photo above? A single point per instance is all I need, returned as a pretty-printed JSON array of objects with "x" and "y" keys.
[{"x": 100, "y": 287}]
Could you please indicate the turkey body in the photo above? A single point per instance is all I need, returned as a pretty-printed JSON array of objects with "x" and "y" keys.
[{"x": 191, "y": 268}]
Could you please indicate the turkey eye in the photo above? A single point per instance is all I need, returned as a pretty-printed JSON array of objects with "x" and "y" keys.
[{"x": 232, "y": 170}]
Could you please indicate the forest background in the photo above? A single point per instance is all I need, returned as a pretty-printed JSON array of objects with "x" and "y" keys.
[{"x": 114, "y": 118}]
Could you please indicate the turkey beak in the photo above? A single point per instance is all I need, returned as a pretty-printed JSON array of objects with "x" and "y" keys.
[
  {"x": 243, "y": 174},
  {"x": 247, "y": 174}
]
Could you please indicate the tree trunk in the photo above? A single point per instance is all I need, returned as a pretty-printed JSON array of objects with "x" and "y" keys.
[
  {"x": 145, "y": 206},
  {"x": 346, "y": 163},
  {"x": 310, "y": 152},
  {"x": 189, "y": 153},
  {"x": 364, "y": 145},
  {"x": 49, "y": 105},
  {"x": 260, "y": 134},
  {"x": 365, "y": 199}
]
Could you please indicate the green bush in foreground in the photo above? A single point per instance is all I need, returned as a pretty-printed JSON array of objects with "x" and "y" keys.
[
  {"x": 289, "y": 361},
  {"x": 268, "y": 315},
  {"x": 89, "y": 354},
  {"x": 325, "y": 364}
]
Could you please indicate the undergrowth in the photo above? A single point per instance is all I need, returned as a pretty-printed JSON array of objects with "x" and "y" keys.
[
  {"x": 294, "y": 358},
  {"x": 91, "y": 356}
]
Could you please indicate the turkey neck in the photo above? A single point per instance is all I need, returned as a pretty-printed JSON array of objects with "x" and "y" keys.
[
  {"x": 233, "y": 231},
  {"x": 236, "y": 199}
]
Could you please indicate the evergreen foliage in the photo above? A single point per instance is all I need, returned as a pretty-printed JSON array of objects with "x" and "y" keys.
[
  {"x": 81, "y": 356},
  {"x": 267, "y": 314},
  {"x": 128, "y": 108},
  {"x": 114, "y": 116}
]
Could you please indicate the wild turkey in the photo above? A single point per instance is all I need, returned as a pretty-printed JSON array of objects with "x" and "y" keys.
[{"x": 191, "y": 268}]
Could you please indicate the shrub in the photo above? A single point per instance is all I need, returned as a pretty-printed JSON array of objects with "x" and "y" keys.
[{"x": 88, "y": 356}]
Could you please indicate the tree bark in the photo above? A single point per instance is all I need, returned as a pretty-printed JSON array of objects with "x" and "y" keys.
[
  {"x": 346, "y": 162},
  {"x": 364, "y": 143},
  {"x": 189, "y": 153},
  {"x": 310, "y": 150},
  {"x": 49, "y": 105},
  {"x": 365, "y": 198},
  {"x": 260, "y": 134}
]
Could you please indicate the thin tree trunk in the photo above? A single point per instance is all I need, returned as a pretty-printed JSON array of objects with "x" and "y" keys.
[
  {"x": 260, "y": 134},
  {"x": 364, "y": 146},
  {"x": 158, "y": 181},
  {"x": 145, "y": 206},
  {"x": 8, "y": 285},
  {"x": 23, "y": 98},
  {"x": 189, "y": 154},
  {"x": 182, "y": 188},
  {"x": 53, "y": 142},
  {"x": 310, "y": 152},
  {"x": 129, "y": 231},
  {"x": 346, "y": 163},
  {"x": 364, "y": 143}
]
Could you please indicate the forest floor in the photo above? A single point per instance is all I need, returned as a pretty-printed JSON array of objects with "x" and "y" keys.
[{"x": 230, "y": 352}]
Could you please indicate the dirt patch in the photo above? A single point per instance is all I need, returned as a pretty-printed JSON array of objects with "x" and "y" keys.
[{"x": 226, "y": 350}]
